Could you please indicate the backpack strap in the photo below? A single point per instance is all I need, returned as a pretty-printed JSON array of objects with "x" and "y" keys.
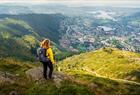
[{"x": 45, "y": 50}]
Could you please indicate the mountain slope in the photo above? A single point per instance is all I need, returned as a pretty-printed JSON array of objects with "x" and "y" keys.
[
  {"x": 17, "y": 39},
  {"x": 46, "y": 25},
  {"x": 107, "y": 62},
  {"x": 26, "y": 79},
  {"x": 14, "y": 79}
]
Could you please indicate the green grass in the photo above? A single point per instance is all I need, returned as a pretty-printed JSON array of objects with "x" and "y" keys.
[
  {"x": 14, "y": 66},
  {"x": 102, "y": 68},
  {"x": 25, "y": 86},
  {"x": 48, "y": 88},
  {"x": 106, "y": 86},
  {"x": 111, "y": 63},
  {"x": 67, "y": 88}
]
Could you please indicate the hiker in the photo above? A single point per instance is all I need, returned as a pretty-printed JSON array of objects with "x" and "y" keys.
[{"x": 46, "y": 57}]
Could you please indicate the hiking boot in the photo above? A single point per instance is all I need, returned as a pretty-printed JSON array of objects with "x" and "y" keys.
[{"x": 51, "y": 78}]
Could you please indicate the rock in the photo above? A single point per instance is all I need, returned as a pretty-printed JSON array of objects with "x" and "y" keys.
[
  {"x": 35, "y": 74},
  {"x": 134, "y": 78},
  {"x": 13, "y": 93},
  {"x": 58, "y": 82},
  {"x": 5, "y": 80},
  {"x": 59, "y": 77},
  {"x": 128, "y": 77},
  {"x": 93, "y": 85}
]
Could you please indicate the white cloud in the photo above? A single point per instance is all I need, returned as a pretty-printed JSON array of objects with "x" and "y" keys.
[{"x": 80, "y": 2}]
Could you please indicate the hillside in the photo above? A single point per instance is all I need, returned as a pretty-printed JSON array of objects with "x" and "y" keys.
[
  {"x": 45, "y": 25},
  {"x": 20, "y": 35},
  {"x": 25, "y": 78},
  {"x": 20, "y": 77},
  {"x": 107, "y": 62},
  {"x": 18, "y": 39}
]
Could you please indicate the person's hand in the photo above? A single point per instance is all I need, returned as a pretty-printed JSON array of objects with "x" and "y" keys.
[{"x": 54, "y": 63}]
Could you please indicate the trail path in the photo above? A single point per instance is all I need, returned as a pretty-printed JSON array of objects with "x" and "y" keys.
[{"x": 119, "y": 80}]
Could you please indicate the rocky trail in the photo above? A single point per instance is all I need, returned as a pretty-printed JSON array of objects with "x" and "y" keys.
[{"x": 36, "y": 75}]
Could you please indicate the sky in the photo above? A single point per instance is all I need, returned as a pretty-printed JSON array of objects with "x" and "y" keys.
[{"x": 132, "y": 3}]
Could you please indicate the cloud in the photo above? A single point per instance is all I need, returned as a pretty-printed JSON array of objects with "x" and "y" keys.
[{"x": 80, "y": 2}]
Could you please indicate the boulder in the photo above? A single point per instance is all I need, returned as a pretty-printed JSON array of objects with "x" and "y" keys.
[
  {"x": 34, "y": 74},
  {"x": 7, "y": 77}
]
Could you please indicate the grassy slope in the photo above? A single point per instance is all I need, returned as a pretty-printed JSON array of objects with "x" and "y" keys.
[
  {"x": 80, "y": 83},
  {"x": 104, "y": 67},
  {"x": 17, "y": 38},
  {"x": 112, "y": 63},
  {"x": 24, "y": 86}
]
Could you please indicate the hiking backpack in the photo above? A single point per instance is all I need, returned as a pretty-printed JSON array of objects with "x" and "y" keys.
[{"x": 41, "y": 53}]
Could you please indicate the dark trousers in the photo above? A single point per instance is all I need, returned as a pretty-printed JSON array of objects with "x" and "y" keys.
[{"x": 47, "y": 65}]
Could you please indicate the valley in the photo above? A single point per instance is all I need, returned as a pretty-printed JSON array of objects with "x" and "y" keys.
[
  {"x": 87, "y": 30},
  {"x": 96, "y": 49},
  {"x": 91, "y": 33}
]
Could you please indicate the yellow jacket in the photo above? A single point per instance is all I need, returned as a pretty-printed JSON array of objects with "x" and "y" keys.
[{"x": 49, "y": 54}]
